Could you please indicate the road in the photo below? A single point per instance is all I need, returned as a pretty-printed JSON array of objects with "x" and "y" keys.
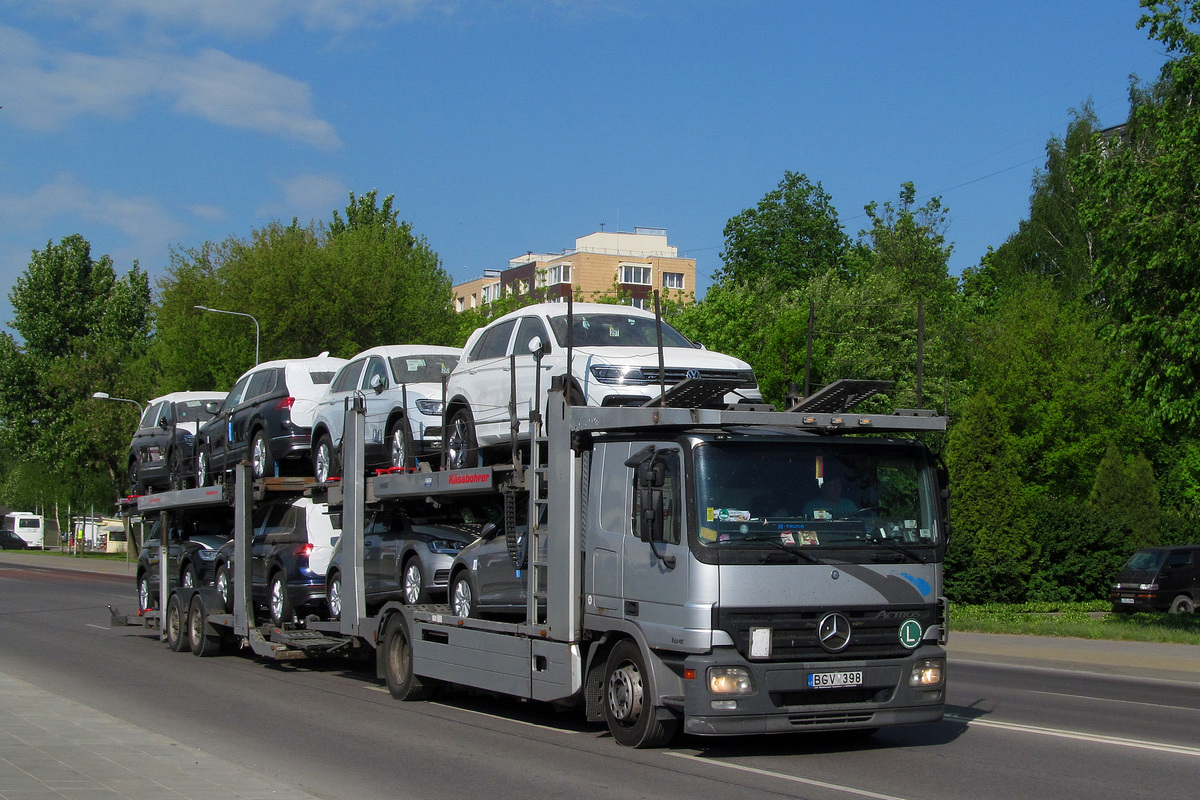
[{"x": 332, "y": 731}]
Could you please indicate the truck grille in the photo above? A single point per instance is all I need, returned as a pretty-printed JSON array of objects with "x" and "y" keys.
[{"x": 875, "y": 631}]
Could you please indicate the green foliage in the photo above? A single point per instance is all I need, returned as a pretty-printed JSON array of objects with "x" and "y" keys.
[{"x": 791, "y": 236}]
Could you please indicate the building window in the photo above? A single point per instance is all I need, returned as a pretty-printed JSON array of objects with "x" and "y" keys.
[
  {"x": 672, "y": 280},
  {"x": 559, "y": 273},
  {"x": 638, "y": 302},
  {"x": 491, "y": 293},
  {"x": 635, "y": 273}
]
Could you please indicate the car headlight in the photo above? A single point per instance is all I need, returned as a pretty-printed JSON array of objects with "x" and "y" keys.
[
  {"x": 748, "y": 379},
  {"x": 444, "y": 546},
  {"x": 206, "y": 555},
  {"x": 430, "y": 408},
  {"x": 730, "y": 680},
  {"x": 622, "y": 376}
]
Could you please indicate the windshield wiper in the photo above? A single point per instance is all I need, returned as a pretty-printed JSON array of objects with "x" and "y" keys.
[
  {"x": 792, "y": 549},
  {"x": 895, "y": 548}
]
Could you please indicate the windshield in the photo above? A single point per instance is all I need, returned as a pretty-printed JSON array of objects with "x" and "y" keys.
[
  {"x": 616, "y": 330},
  {"x": 422, "y": 368},
  {"x": 191, "y": 411},
  {"x": 812, "y": 497},
  {"x": 1145, "y": 561}
]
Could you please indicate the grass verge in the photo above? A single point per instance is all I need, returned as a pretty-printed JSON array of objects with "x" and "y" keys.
[{"x": 1078, "y": 620}]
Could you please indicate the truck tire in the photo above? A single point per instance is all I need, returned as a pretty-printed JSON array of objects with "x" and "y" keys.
[
  {"x": 628, "y": 705},
  {"x": 1183, "y": 605},
  {"x": 203, "y": 638},
  {"x": 396, "y": 663},
  {"x": 175, "y": 625}
]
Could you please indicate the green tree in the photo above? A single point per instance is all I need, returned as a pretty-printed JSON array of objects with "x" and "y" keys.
[
  {"x": 909, "y": 242},
  {"x": 792, "y": 235},
  {"x": 1126, "y": 493}
]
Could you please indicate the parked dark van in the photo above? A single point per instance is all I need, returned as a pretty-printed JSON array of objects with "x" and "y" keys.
[{"x": 1159, "y": 579}]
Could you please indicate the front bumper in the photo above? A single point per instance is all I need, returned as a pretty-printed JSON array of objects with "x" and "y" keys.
[{"x": 782, "y": 701}]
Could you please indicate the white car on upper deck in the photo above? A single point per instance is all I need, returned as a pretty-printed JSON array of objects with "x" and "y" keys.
[{"x": 615, "y": 362}]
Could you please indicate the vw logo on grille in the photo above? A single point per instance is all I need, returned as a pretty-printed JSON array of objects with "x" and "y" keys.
[
  {"x": 693, "y": 374},
  {"x": 833, "y": 632}
]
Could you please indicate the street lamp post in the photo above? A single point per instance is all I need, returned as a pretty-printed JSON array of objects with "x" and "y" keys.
[
  {"x": 238, "y": 314},
  {"x": 107, "y": 396}
]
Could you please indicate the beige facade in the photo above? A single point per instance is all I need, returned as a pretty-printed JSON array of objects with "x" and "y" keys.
[{"x": 600, "y": 265}]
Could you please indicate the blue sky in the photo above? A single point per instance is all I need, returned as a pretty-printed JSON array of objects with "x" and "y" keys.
[{"x": 504, "y": 126}]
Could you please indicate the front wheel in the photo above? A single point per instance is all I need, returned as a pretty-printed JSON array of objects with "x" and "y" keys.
[
  {"x": 261, "y": 460},
  {"x": 462, "y": 597},
  {"x": 281, "y": 604},
  {"x": 189, "y": 578},
  {"x": 400, "y": 446},
  {"x": 1183, "y": 605},
  {"x": 224, "y": 587},
  {"x": 628, "y": 704},
  {"x": 462, "y": 451},
  {"x": 413, "y": 583},
  {"x": 397, "y": 663}
]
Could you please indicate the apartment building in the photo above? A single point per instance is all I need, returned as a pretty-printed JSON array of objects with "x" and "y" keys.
[{"x": 601, "y": 264}]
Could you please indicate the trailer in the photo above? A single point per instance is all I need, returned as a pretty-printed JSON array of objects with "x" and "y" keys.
[{"x": 686, "y": 569}]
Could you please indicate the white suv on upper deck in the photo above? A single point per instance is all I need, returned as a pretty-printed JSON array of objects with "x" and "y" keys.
[{"x": 615, "y": 363}]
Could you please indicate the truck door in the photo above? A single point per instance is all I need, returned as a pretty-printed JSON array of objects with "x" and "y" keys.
[{"x": 654, "y": 585}]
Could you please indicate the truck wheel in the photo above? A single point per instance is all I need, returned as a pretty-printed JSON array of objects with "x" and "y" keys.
[
  {"x": 175, "y": 626},
  {"x": 462, "y": 450},
  {"x": 281, "y": 605},
  {"x": 1183, "y": 605},
  {"x": 334, "y": 596},
  {"x": 204, "y": 640},
  {"x": 412, "y": 582},
  {"x": 400, "y": 446},
  {"x": 145, "y": 597},
  {"x": 224, "y": 586},
  {"x": 397, "y": 663},
  {"x": 324, "y": 467},
  {"x": 262, "y": 464},
  {"x": 628, "y": 707},
  {"x": 462, "y": 596}
]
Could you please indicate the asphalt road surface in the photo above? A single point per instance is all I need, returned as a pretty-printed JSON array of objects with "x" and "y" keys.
[{"x": 331, "y": 730}]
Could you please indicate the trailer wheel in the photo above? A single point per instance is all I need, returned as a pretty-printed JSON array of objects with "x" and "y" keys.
[
  {"x": 398, "y": 663},
  {"x": 629, "y": 709},
  {"x": 1183, "y": 605},
  {"x": 204, "y": 640},
  {"x": 412, "y": 582},
  {"x": 281, "y": 604},
  {"x": 175, "y": 626}
]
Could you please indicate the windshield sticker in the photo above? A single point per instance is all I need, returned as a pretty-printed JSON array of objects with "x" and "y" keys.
[
  {"x": 820, "y": 470},
  {"x": 822, "y": 513},
  {"x": 925, "y": 534},
  {"x": 414, "y": 364},
  {"x": 614, "y": 333},
  {"x": 910, "y": 523},
  {"x": 787, "y": 538},
  {"x": 727, "y": 515},
  {"x": 809, "y": 539}
]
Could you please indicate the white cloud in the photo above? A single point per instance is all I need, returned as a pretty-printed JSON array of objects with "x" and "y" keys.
[
  {"x": 207, "y": 212},
  {"x": 45, "y": 88},
  {"x": 307, "y": 197}
]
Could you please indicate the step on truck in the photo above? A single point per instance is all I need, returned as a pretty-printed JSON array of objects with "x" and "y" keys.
[{"x": 715, "y": 572}]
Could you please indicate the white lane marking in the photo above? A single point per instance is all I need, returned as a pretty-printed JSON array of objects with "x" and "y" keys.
[
  {"x": 100, "y": 627},
  {"x": 1096, "y": 738},
  {"x": 785, "y": 777},
  {"x": 496, "y": 717},
  {"x": 1114, "y": 700}
]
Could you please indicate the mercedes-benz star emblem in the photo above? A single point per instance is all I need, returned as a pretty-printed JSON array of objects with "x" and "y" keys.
[{"x": 833, "y": 632}]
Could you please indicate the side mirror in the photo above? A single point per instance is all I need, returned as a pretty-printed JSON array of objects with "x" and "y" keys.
[
  {"x": 536, "y": 346},
  {"x": 162, "y": 423},
  {"x": 488, "y": 531},
  {"x": 377, "y": 383},
  {"x": 212, "y": 406}
]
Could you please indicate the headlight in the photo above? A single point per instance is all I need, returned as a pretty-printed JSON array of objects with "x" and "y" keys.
[
  {"x": 206, "y": 555},
  {"x": 624, "y": 376},
  {"x": 748, "y": 379},
  {"x": 1148, "y": 587},
  {"x": 730, "y": 680},
  {"x": 431, "y": 408},
  {"x": 926, "y": 672},
  {"x": 444, "y": 546}
]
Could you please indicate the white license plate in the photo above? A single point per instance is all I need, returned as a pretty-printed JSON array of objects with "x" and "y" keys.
[
  {"x": 1127, "y": 600},
  {"x": 833, "y": 680}
]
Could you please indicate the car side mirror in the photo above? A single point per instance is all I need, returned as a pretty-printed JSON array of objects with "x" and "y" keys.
[
  {"x": 489, "y": 530},
  {"x": 537, "y": 346},
  {"x": 162, "y": 423},
  {"x": 212, "y": 406},
  {"x": 377, "y": 383}
]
